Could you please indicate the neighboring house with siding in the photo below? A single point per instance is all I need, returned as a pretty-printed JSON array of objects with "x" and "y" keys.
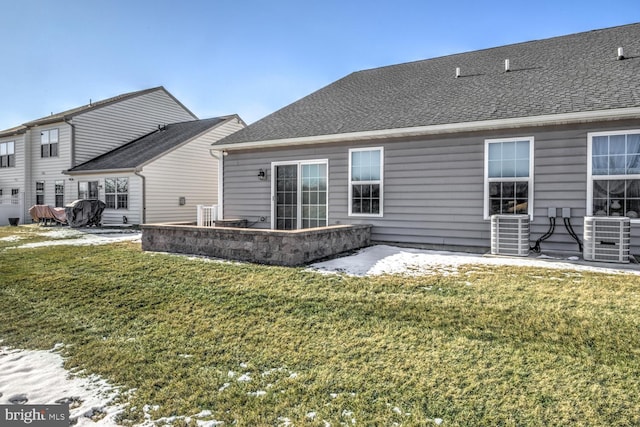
[
  {"x": 427, "y": 151},
  {"x": 161, "y": 176},
  {"x": 41, "y": 151}
]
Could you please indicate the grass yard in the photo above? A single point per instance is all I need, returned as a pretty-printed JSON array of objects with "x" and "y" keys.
[{"x": 259, "y": 345}]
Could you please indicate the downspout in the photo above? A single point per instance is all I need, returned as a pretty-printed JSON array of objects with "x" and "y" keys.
[
  {"x": 73, "y": 142},
  {"x": 144, "y": 196},
  {"x": 28, "y": 176},
  {"x": 219, "y": 155}
]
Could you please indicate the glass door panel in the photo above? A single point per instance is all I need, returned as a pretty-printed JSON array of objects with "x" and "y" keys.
[
  {"x": 314, "y": 195},
  {"x": 286, "y": 197},
  {"x": 300, "y": 195}
]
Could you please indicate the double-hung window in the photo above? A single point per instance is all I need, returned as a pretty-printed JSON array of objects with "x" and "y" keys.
[
  {"x": 49, "y": 143},
  {"x": 366, "y": 181},
  {"x": 7, "y": 154},
  {"x": 508, "y": 183},
  {"x": 614, "y": 174},
  {"x": 88, "y": 190},
  {"x": 116, "y": 193},
  {"x": 59, "y": 194},
  {"x": 39, "y": 192}
]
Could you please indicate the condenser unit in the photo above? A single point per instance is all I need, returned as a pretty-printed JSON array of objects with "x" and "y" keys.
[
  {"x": 510, "y": 235},
  {"x": 607, "y": 239}
]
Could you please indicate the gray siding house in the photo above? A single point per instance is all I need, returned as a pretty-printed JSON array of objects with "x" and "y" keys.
[
  {"x": 42, "y": 156},
  {"x": 161, "y": 176},
  {"x": 427, "y": 151}
]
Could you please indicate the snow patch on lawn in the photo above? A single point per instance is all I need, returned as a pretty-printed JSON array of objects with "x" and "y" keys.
[
  {"x": 81, "y": 237},
  {"x": 383, "y": 259},
  {"x": 37, "y": 377}
]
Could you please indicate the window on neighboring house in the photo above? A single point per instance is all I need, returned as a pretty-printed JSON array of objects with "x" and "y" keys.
[
  {"x": 508, "y": 176},
  {"x": 614, "y": 174},
  {"x": 88, "y": 190},
  {"x": 366, "y": 181},
  {"x": 15, "y": 192},
  {"x": 116, "y": 193},
  {"x": 39, "y": 192},
  {"x": 59, "y": 194},
  {"x": 7, "y": 154},
  {"x": 49, "y": 143}
]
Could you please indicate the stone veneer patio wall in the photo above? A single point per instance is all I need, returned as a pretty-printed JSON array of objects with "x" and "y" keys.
[{"x": 277, "y": 247}]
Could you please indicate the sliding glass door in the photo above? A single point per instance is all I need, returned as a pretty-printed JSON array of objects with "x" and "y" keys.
[
  {"x": 300, "y": 195},
  {"x": 286, "y": 212}
]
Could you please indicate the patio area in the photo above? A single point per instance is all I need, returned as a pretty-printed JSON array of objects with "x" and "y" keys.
[{"x": 274, "y": 247}]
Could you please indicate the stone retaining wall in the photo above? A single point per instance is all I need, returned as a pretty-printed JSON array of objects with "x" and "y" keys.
[{"x": 277, "y": 247}]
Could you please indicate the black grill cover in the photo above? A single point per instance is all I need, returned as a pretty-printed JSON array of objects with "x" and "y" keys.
[{"x": 84, "y": 213}]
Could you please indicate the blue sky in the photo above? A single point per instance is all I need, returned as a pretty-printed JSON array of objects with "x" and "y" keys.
[{"x": 249, "y": 57}]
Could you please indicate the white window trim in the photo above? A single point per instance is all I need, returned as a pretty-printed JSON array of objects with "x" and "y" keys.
[
  {"x": 8, "y": 144},
  {"x": 57, "y": 184},
  {"x": 529, "y": 179},
  {"x": 590, "y": 176},
  {"x": 41, "y": 193},
  {"x": 88, "y": 182},
  {"x": 299, "y": 163},
  {"x": 380, "y": 182},
  {"x": 116, "y": 193},
  {"x": 49, "y": 143}
]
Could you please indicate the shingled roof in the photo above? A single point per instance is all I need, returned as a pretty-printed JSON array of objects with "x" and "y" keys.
[
  {"x": 68, "y": 114},
  {"x": 570, "y": 74},
  {"x": 149, "y": 147}
]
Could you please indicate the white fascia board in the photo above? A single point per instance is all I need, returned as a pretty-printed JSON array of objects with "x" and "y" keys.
[{"x": 518, "y": 122}]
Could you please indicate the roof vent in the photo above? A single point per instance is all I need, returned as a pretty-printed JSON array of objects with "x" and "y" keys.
[
  {"x": 620, "y": 54},
  {"x": 507, "y": 65},
  {"x": 457, "y": 72}
]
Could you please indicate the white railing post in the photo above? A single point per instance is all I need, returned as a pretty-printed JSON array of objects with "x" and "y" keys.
[{"x": 206, "y": 215}]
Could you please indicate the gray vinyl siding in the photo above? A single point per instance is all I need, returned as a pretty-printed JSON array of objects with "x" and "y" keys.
[
  {"x": 190, "y": 172},
  {"x": 48, "y": 169},
  {"x": 13, "y": 177},
  {"x": 134, "y": 211},
  {"x": 113, "y": 216},
  {"x": 108, "y": 127},
  {"x": 434, "y": 187}
]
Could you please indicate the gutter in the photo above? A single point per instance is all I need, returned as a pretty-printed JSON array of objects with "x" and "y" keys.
[
  {"x": 499, "y": 124},
  {"x": 14, "y": 131},
  {"x": 99, "y": 171}
]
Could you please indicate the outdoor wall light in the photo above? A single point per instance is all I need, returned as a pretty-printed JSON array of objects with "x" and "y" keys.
[{"x": 262, "y": 175}]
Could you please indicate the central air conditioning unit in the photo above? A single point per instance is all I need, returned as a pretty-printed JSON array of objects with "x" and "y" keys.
[
  {"x": 607, "y": 239},
  {"x": 510, "y": 235}
]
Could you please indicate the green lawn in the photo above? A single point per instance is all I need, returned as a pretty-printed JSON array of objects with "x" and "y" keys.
[{"x": 261, "y": 345}]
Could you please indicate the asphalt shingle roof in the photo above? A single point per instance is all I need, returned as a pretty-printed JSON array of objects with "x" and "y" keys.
[
  {"x": 140, "y": 151},
  {"x": 91, "y": 106},
  {"x": 567, "y": 74},
  {"x": 68, "y": 114}
]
